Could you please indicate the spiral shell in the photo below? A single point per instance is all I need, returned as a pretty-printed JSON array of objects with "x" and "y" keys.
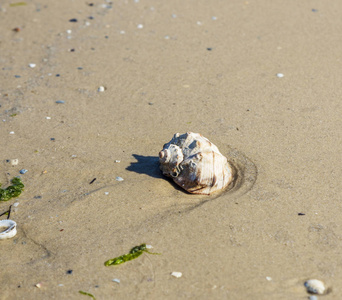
[{"x": 195, "y": 164}]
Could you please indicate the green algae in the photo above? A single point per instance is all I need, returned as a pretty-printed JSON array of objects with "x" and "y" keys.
[{"x": 13, "y": 190}]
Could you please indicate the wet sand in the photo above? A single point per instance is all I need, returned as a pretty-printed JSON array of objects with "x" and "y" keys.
[{"x": 203, "y": 66}]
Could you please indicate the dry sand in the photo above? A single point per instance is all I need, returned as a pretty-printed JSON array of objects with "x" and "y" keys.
[{"x": 162, "y": 79}]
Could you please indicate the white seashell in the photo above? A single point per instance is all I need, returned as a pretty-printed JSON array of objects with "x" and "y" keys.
[
  {"x": 315, "y": 286},
  {"x": 195, "y": 164},
  {"x": 176, "y": 274},
  {"x": 8, "y": 229}
]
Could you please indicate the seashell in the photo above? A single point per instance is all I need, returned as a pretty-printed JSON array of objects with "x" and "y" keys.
[
  {"x": 8, "y": 229},
  {"x": 315, "y": 286},
  {"x": 195, "y": 164}
]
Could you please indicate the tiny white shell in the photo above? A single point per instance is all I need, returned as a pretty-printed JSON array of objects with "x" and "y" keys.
[
  {"x": 315, "y": 286},
  {"x": 176, "y": 274},
  {"x": 8, "y": 229}
]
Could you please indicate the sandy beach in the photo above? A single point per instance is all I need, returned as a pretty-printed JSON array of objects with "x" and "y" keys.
[{"x": 91, "y": 91}]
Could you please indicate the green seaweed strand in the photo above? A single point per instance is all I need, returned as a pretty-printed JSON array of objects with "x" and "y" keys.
[
  {"x": 87, "y": 294},
  {"x": 134, "y": 253},
  {"x": 13, "y": 190}
]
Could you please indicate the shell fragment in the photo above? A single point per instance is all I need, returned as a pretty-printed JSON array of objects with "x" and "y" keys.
[
  {"x": 8, "y": 229},
  {"x": 177, "y": 274}
]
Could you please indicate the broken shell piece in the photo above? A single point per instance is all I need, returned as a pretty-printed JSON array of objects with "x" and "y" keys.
[
  {"x": 315, "y": 286},
  {"x": 8, "y": 229},
  {"x": 176, "y": 274},
  {"x": 195, "y": 164}
]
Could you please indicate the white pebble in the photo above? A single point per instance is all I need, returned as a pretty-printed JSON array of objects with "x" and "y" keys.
[
  {"x": 118, "y": 178},
  {"x": 101, "y": 89},
  {"x": 313, "y": 297},
  {"x": 87, "y": 23},
  {"x": 116, "y": 280},
  {"x": 117, "y": 161},
  {"x": 214, "y": 18},
  {"x": 69, "y": 31},
  {"x": 315, "y": 286},
  {"x": 16, "y": 204},
  {"x": 14, "y": 162},
  {"x": 61, "y": 284},
  {"x": 166, "y": 37},
  {"x": 11, "y": 132},
  {"x": 106, "y": 193},
  {"x": 32, "y": 65},
  {"x": 280, "y": 75},
  {"x": 174, "y": 16},
  {"x": 140, "y": 26},
  {"x": 48, "y": 118},
  {"x": 149, "y": 247},
  {"x": 122, "y": 32},
  {"x": 268, "y": 278},
  {"x": 199, "y": 23},
  {"x": 176, "y": 274}
]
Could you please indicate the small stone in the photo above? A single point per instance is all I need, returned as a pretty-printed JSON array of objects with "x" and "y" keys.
[
  {"x": 11, "y": 132},
  {"x": 32, "y": 65},
  {"x": 48, "y": 118},
  {"x": 268, "y": 278},
  {"x": 69, "y": 272},
  {"x": 214, "y": 18},
  {"x": 69, "y": 31},
  {"x": 174, "y": 16},
  {"x": 117, "y": 161},
  {"x": 313, "y": 297},
  {"x": 140, "y": 26},
  {"x": 60, "y": 101},
  {"x": 17, "y": 76},
  {"x": 315, "y": 286},
  {"x": 122, "y": 32},
  {"x": 23, "y": 171},
  {"x": 280, "y": 75},
  {"x": 106, "y": 193},
  {"x": 14, "y": 162},
  {"x": 177, "y": 274},
  {"x": 101, "y": 89},
  {"x": 73, "y": 20},
  {"x": 149, "y": 246},
  {"x": 39, "y": 285},
  {"x": 116, "y": 280},
  {"x": 118, "y": 178}
]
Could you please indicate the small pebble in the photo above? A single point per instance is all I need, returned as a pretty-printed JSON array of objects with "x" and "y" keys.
[
  {"x": 315, "y": 286},
  {"x": 140, "y": 26},
  {"x": 176, "y": 274},
  {"x": 57, "y": 75},
  {"x": 117, "y": 161},
  {"x": 313, "y": 298},
  {"x": 16, "y": 204},
  {"x": 280, "y": 75},
  {"x": 69, "y": 31},
  {"x": 23, "y": 171},
  {"x": 199, "y": 23},
  {"x": 52, "y": 139},
  {"x": 39, "y": 285},
  {"x": 101, "y": 89},
  {"x": 79, "y": 68},
  {"x": 17, "y": 76},
  {"x": 48, "y": 118},
  {"x": 61, "y": 284},
  {"x": 122, "y": 32},
  {"x": 73, "y": 20},
  {"x": 11, "y": 132},
  {"x": 14, "y": 162},
  {"x": 118, "y": 178},
  {"x": 268, "y": 278},
  {"x": 116, "y": 280},
  {"x": 106, "y": 193},
  {"x": 314, "y": 10},
  {"x": 32, "y": 65},
  {"x": 69, "y": 272},
  {"x": 214, "y": 18},
  {"x": 149, "y": 247},
  {"x": 60, "y": 101},
  {"x": 174, "y": 16}
]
